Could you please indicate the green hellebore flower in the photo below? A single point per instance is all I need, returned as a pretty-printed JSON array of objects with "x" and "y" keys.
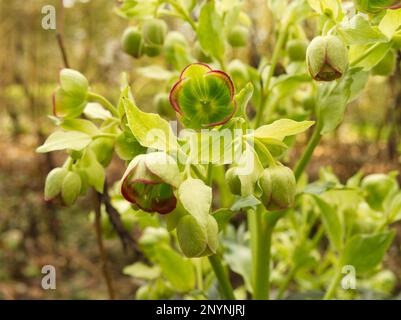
[
  {"x": 54, "y": 181},
  {"x": 154, "y": 32},
  {"x": 149, "y": 182},
  {"x": 296, "y": 50},
  {"x": 327, "y": 58},
  {"x": 233, "y": 181},
  {"x": 162, "y": 105},
  {"x": 238, "y": 36},
  {"x": 376, "y": 188},
  {"x": 70, "y": 98},
  {"x": 71, "y": 188},
  {"x": 375, "y": 6},
  {"x": 278, "y": 186},
  {"x": 203, "y": 97},
  {"x": 132, "y": 42}
]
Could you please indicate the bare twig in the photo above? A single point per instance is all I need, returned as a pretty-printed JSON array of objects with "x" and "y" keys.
[{"x": 103, "y": 255}]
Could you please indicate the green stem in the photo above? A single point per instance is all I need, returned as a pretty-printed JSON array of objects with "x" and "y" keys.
[
  {"x": 286, "y": 283},
  {"x": 103, "y": 135},
  {"x": 333, "y": 285},
  {"x": 104, "y": 102},
  {"x": 365, "y": 54},
  {"x": 276, "y": 54},
  {"x": 222, "y": 277},
  {"x": 183, "y": 13},
  {"x": 302, "y": 163},
  {"x": 262, "y": 233}
]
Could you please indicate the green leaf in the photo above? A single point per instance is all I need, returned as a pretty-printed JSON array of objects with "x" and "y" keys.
[
  {"x": 149, "y": 129},
  {"x": 142, "y": 271},
  {"x": 210, "y": 31},
  {"x": 359, "y": 31},
  {"x": 390, "y": 23},
  {"x": 375, "y": 56},
  {"x": 60, "y": 140},
  {"x": 223, "y": 217},
  {"x": 244, "y": 203},
  {"x": 178, "y": 270},
  {"x": 94, "y": 170},
  {"x": 365, "y": 252},
  {"x": 196, "y": 198},
  {"x": 282, "y": 128},
  {"x": 81, "y": 125},
  {"x": 94, "y": 111},
  {"x": 331, "y": 222}
]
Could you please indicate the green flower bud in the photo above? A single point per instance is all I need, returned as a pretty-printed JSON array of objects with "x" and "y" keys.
[
  {"x": 70, "y": 98},
  {"x": 375, "y": 6},
  {"x": 386, "y": 66},
  {"x": 238, "y": 36},
  {"x": 296, "y": 50},
  {"x": 278, "y": 186},
  {"x": 149, "y": 182},
  {"x": 128, "y": 147},
  {"x": 54, "y": 181},
  {"x": 162, "y": 105},
  {"x": 200, "y": 55},
  {"x": 71, "y": 188},
  {"x": 195, "y": 239},
  {"x": 84, "y": 181},
  {"x": 233, "y": 181},
  {"x": 132, "y": 42},
  {"x": 153, "y": 51},
  {"x": 377, "y": 187},
  {"x": 203, "y": 97},
  {"x": 176, "y": 50},
  {"x": 327, "y": 58},
  {"x": 103, "y": 149},
  {"x": 154, "y": 32}
]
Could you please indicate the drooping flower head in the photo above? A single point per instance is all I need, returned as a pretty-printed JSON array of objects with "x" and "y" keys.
[
  {"x": 149, "y": 182},
  {"x": 203, "y": 97}
]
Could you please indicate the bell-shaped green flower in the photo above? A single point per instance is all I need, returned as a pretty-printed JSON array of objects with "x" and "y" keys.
[
  {"x": 296, "y": 50},
  {"x": 54, "y": 182},
  {"x": 132, "y": 42},
  {"x": 238, "y": 36},
  {"x": 233, "y": 181},
  {"x": 150, "y": 181},
  {"x": 278, "y": 186},
  {"x": 327, "y": 58},
  {"x": 70, "y": 98},
  {"x": 154, "y": 32},
  {"x": 203, "y": 97}
]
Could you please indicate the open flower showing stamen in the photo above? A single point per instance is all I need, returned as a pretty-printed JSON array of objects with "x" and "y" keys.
[
  {"x": 150, "y": 181},
  {"x": 203, "y": 97}
]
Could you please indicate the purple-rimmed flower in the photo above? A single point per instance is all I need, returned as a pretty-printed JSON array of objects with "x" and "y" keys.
[{"x": 203, "y": 97}]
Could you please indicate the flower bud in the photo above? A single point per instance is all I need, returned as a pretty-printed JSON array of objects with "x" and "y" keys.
[
  {"x": 152, "y": 51},
  {"x": 203, "y": 97},
  {"x": 71, "y": 188},
  {"x": 103, "y": 149},
  {"x": 296, "y": 50},
  {"x": 162, "y": 105},
  {"x": 375, "y": 6},
  {"x": 176, "y": 50},
  {"x": 149, "y": 182},
  {"x": 327, "y": 58},
  {"x": 195, "y": 239},
  {"x": 239, "y": 73},
  {"x": 238, "y": 36},
  {"x": 70, "y": 98},
  {"x": 54, "y": 181},
  {"x": 386, "y": 66},
  {"x": 154, "y": 32},
  {"x": 233, "y": 181},
  {"x": 200, "y": 55},
  {"x": 132, "y": 42},
  {"x": 278, "y": 186},
  {"x": 376, "y": 188}
]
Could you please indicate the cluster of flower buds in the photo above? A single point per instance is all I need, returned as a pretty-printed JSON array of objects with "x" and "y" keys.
[
  {"x": 64, "y": 185},
  {"x": 147, "y": 41},
  {"x": 70, "y": 98},
  {"x": 203, "y": 97},
  {"x": 327, "y": 58}
]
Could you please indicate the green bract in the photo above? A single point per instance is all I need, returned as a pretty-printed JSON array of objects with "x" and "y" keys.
[
  {"x": 278, "y": 186},
  {"x": 149, "y": 182},
  {"x": 70, "y": 97},
  {"x": 132, "y": 42},
  {"x": 327, "y": 58},
  {"x": 203, "y": 97}
]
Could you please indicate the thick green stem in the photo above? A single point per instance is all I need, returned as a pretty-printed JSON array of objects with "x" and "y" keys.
[
  {"x": 302, "y": 163},
  {"x": 261, "y": 232},
  {"x": 333, "y": 285},
  {"x": 104, "y": 102},
  {"x": 222, "y": 277}
]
